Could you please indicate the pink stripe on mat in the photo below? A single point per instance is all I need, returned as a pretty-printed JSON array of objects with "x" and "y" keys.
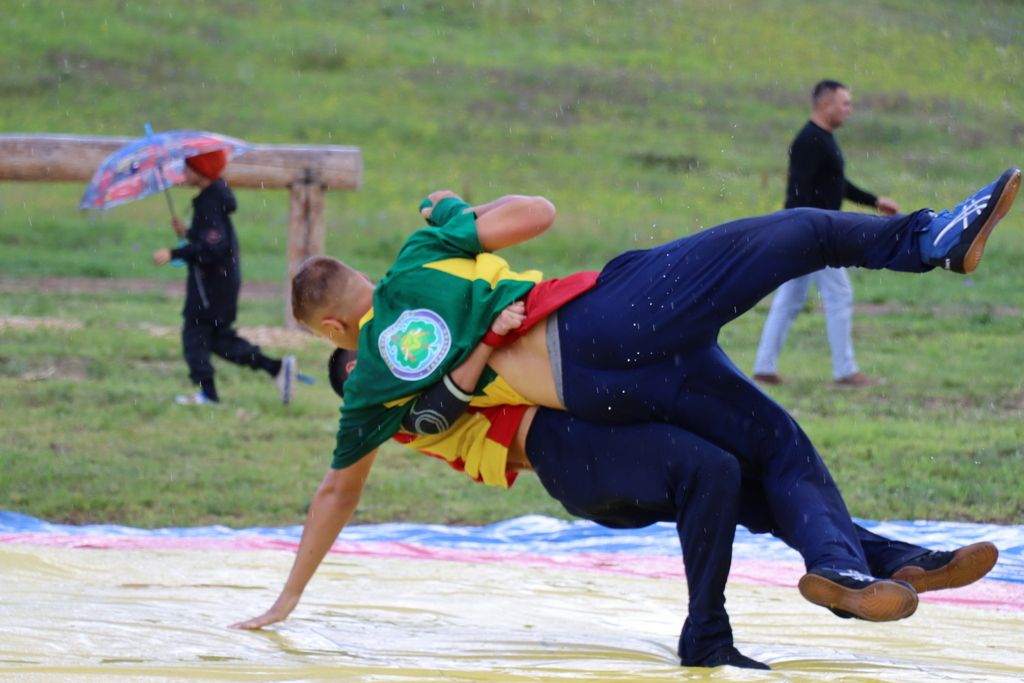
[{"x": 988, "y": 594}]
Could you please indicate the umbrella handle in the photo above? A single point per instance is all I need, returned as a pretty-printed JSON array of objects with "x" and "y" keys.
[
  {"x": 167, "y": 192},
  {"x": 160, "y": 174},
  {"x": 170, "y": 204}
]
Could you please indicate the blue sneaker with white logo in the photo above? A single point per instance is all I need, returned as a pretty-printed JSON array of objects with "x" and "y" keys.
[{"x": 956, "y": 238}]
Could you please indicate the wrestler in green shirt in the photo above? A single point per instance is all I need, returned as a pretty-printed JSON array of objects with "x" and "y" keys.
[{"x": 431, "y": 309}]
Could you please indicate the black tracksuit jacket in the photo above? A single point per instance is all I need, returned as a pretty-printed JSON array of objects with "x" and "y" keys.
[
  {"x": 816, "y": 172},
  {"x": 214, "y": 269}
]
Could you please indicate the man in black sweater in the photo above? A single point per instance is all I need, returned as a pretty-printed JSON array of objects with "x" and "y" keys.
[
  {"x": 214, "y": 280},
  {"x": 817, "y": 179}
]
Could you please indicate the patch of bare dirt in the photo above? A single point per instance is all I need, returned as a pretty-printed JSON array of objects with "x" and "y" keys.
[
  {"x": 273, "y": 337},
  {"x": 72, "y": 368},
  {"x": 87, "y": 285},
  {"x": 276, "y": 337},
  {"x": 17, "y": 322}
]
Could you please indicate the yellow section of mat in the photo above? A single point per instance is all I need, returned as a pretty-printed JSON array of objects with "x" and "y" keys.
[{"x": 112, "y": 615}]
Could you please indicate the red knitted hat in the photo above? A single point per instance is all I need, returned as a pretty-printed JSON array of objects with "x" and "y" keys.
[{"x": 210, "y": 164}]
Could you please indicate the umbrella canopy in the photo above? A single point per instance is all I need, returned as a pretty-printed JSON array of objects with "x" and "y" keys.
[{"x": 151, "y": 164}]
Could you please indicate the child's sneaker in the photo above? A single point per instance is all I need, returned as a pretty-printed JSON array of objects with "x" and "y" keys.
[
  {"x": 197, "y": 399},
  {"x": 956, "y": 238},
  {"x": 849, "y": 593},
  {"x": 286, "y": 378}
]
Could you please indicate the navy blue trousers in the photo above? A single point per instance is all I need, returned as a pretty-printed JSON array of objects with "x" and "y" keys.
[
  {"x": 630, "y": 476},
  {"x": 201, "y": 337},
  {"x": 642, "y": 347}
]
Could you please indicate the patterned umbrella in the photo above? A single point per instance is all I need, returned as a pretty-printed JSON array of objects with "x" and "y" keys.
[{"x": 151, "y": 164}]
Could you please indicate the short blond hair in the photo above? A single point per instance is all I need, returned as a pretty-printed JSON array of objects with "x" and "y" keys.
[{"x": 321, "y": 288}]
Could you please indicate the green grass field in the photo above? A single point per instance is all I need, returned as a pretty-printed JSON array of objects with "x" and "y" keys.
[{"x": 641, "y": 121}]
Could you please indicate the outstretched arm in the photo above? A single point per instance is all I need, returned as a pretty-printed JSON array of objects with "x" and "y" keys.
[{"x": 332, "y": 507}]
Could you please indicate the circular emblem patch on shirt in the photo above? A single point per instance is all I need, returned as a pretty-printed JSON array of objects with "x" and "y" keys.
[{"x": 415, "y": 344}]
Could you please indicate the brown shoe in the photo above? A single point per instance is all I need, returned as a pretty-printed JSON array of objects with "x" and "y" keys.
[
  {"x": 936, "y": 570},
  {"x": 849, "y": 593},
  {"x": 767, "y": 378},
  {"x": 859, "y": 379}
]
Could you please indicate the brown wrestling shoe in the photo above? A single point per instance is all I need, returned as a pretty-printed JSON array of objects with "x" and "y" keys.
[
  {"x": 767, "y": 378},
  {"x": 849, "y": 593},
  {"x": 939, "y": 569},
  {"x": 859, "y": 379}
]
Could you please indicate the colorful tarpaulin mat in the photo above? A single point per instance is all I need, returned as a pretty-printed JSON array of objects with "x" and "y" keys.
[{"x": 529, "y": 599}]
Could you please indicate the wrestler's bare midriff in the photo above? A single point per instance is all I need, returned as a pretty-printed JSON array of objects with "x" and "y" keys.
[{"x": 525, "y": 365}]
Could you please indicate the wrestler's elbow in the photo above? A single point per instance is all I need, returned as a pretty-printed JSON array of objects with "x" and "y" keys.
[
  {"x": 543, "y": 211},
  {"x": 515, "y": 222}
]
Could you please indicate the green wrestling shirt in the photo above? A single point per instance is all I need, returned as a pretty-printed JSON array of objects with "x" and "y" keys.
[{"x": 429, "y": 312}]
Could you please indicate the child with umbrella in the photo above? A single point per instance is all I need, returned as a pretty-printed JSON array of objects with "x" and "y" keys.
[{"x": 214, "y": 280}]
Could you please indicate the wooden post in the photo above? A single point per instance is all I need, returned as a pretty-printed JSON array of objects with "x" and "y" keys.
[
  {"x": 306, "y": 232},
  {"x": 307, "y": 170}
]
